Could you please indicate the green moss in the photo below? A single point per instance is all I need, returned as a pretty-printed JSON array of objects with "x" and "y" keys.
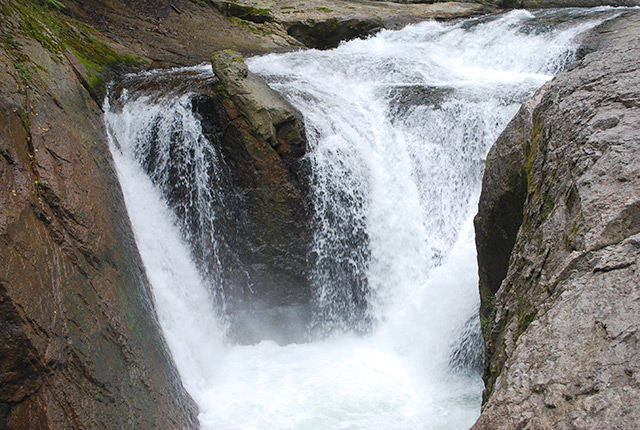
[
  {"x": 531, "y": 147},
  {"x": 55, "y": 4},
  {"x": 249, "y": 13},
  {"x": 526, "y": 318},
  {"x": 488, "y": 315},
  {"x": 23, "y": 73},
  {"x": 575, "y": 229},
  {"x": 571, "y": 239},
  {"x": 245, "y": 24},
  {"x": 10, "y": 43},
  {"x": 26, "y": 124},
  {"x": 324, "y": 9},
  {"x": 58, "y": 34},
  {"x": 93, "y": 81},
  {"x": 4, "y": 10}
]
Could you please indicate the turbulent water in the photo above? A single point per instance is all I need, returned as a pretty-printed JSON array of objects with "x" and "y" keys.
[{"x": 398, "y": 127}]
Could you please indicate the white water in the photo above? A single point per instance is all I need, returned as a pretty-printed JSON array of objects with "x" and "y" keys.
[{"x": 398, "y": 129}]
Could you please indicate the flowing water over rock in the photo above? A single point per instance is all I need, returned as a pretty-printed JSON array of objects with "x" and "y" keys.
[{"x": 398, "y": 127}]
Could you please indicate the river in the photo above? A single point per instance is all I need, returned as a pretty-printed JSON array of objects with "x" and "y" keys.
[{"x": 398, "y": 128}]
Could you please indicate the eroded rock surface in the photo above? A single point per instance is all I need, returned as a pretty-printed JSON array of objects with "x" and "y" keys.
[
  {"x": 323, "y": 24},
  {"x": 80, "y": 346},
  {"x": 261, "y": 139},
  {"x": 562, "y": 189}
]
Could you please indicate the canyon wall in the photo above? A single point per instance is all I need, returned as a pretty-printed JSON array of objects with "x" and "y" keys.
[
  {"x": 558, "y": 238},
  {"x": 80, "y": 346}
]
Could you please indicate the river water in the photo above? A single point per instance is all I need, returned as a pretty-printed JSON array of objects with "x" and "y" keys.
[{"x": 398, "y": 128}]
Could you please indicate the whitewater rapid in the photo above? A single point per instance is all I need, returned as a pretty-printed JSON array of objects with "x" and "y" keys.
[{"x": 398, "y": 128}]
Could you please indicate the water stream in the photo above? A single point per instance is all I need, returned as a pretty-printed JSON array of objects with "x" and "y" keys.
[{"x": 398, "y": 128}]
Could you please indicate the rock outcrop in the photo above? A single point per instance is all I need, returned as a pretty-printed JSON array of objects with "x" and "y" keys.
[
  {"x": 180, "y": 32},
  {"x": 261, "y": 139},
  {"x": 323, "y": 24},
  {"x": 80, "y": 346},
  {"x": 558, "y": 235}
]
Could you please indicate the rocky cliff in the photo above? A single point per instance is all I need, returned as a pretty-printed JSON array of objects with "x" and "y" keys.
[
  {"x": 80, "y": 343},
  {"x": 80, "y": 346},
  {"x": 558, "y": 238}
]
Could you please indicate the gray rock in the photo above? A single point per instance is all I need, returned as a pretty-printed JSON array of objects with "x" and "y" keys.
[
  {"x": 263, "y": 108},
  {"x": 561, "y": 328}
]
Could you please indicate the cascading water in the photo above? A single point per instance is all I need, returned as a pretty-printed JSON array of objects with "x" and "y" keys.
[{"x": 398, "y": 127}]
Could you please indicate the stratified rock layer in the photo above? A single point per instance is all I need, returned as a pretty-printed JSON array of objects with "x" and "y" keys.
[
  {"x": 80, "y": 346},
  {"x": 559, "y": 220}
]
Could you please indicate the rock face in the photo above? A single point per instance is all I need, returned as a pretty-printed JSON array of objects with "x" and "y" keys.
[
  {"x": 558, "y": 235},
  {"x": 180, "y": 32},
  {"x": 262, "y": 140},
  {"x": 323, "y": 24},
  {"x": 80, "y": 346}
]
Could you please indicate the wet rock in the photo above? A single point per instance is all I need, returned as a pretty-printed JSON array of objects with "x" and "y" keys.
[
  {"x": 323, "y": 24},
  {"x": 261, "y": 138},
  {"x": 275, "y": 120},
  {"x": 80, "y": 345},
  {"x": 561, "y": 327},
  {"x": 244, "y": 11},
  {"x": 329, "y": 33}
]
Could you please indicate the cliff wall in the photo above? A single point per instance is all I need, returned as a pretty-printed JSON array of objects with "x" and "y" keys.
[
  {"x": 80, "y": 346},
  {"x": 558, "y": 238}
]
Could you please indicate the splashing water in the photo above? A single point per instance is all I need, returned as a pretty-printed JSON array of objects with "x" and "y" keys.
[{"x": 398, "y": 127}]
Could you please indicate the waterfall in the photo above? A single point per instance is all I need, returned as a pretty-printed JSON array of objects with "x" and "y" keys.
[{"x": 398, "y": 127}]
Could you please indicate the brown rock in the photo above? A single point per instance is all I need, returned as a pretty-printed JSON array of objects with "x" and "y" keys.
[
  {"x": 261, "y": 139},
  {"x": 80, "y": 345}
]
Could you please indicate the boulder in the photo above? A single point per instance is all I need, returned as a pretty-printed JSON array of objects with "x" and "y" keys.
[
  {"x": 261, "y": 138},
  {"x": 274, "y": 119},
  {"x": 558, "y": 233}
]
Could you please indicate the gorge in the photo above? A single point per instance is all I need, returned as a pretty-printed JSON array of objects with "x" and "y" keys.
[
  {"x": 397, "y": 133},
  {"x": 333, "y": 287}
]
